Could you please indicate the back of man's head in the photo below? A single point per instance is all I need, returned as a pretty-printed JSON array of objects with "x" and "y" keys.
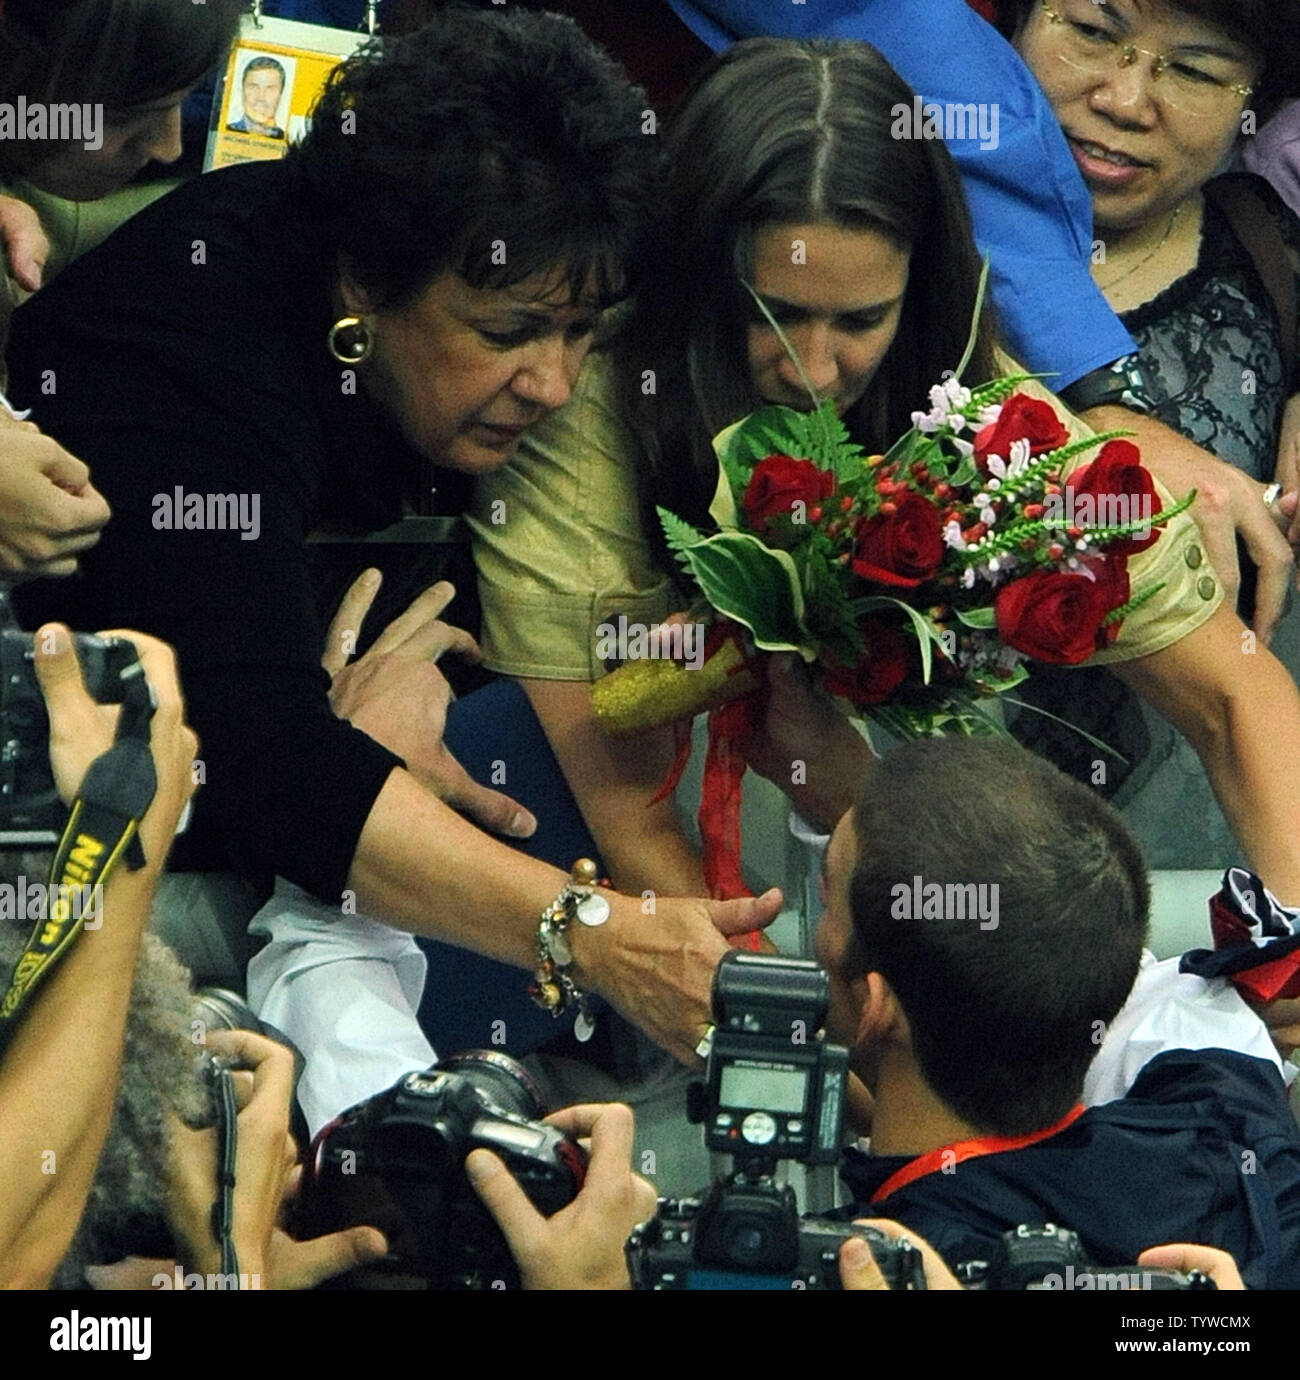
[{"x": 1006, "y": 906}]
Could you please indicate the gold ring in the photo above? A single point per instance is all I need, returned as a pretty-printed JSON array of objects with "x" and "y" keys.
[{"x": 1271, "y": 494}]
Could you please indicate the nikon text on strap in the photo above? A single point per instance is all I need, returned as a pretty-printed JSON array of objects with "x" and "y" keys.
[{"x": 115, "y": 793}]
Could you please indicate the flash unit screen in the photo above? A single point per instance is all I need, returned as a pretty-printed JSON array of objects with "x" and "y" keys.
[{"x": 773, "y": 1090}]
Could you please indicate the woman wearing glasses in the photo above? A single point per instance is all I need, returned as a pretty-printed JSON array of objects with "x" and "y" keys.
[{"x": 1152, "y": 98}]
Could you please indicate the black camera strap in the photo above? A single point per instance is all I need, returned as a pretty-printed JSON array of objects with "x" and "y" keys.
[
  {"x": 223, "y": 1208},
  {"x": 115, "y": 793}
]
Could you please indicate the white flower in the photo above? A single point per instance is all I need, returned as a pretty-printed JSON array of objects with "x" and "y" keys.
[
  {"x": 988, "y": 415},
  {"x": 1019, "y": 455},
  {"x": 968, "y": 577},
  {"x": 953, "y": 537},
  {"x": 988, "y": 517},
  {"x": 964, "y": 448},
  {"x": 997, "y": 468}
]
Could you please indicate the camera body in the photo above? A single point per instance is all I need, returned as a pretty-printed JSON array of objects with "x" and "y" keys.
[
  {"x": 750, "y": 1236},
  {"x": 397, "y": 1162},
  {"x": 31, "y": 813},
  {"x": 1047, "y": 1258},
  {"x": 774, "y": 1090}
]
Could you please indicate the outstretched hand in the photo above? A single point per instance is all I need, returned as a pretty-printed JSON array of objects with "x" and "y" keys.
[{"x": 397, "y": 694}]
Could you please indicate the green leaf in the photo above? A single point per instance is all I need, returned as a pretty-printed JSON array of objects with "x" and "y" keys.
[
  {"x": 1065, "y": 723},
  {"x": 926, "y": 632},
  {"x": 678, "y": 533},
  {"x": 975, "y": 317},
  {"x": 745, "y": 580},
  {"x": 978, "y": 618},
  {"x": 999, "y": 685}
]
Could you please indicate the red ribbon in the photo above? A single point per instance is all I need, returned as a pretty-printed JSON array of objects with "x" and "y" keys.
[{"x": 730, "y": 728}]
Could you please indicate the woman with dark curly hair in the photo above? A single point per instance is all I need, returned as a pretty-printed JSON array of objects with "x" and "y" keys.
[{"x": 284, "y": 353}]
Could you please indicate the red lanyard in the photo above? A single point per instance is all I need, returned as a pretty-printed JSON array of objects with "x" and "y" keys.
[{"x": 949, "y": 1155}]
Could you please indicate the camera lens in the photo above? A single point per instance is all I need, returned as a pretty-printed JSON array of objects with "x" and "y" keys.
[{"x": 503, "y": 1081}]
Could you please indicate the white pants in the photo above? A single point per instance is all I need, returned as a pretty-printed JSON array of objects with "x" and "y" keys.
[{"x": 345, "y": 989}]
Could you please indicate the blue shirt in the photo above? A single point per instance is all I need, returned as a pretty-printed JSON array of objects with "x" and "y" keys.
[{"x": 1030, "y": 208}]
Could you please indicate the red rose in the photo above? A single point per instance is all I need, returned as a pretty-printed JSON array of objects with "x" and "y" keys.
[
  {"x": 904, "y": 547},
  {"x": 1022, "y": 419},
  {"x": 1117, "y": 473},
  {"x": 881, "y": 669},
  {"x": 1057, "y": 615},
  {"x": 778, "y": 483}
]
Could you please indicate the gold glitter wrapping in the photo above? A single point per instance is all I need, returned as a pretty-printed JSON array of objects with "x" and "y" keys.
[{"x": 648, "y": 694}]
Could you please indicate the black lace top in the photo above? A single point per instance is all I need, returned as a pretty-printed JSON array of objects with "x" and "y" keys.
[
  {"x": 1209, "y": 345},
  {"x": 1209, "y": 348}
]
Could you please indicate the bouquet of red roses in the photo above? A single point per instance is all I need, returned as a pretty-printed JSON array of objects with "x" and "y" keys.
[{"x": 920, "y": 581}]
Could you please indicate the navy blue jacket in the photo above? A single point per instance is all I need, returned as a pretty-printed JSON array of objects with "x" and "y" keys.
[{"x": 1204, "y": 1148}]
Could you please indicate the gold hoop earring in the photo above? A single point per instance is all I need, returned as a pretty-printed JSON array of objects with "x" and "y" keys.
[{"x": 350, "y": 340}]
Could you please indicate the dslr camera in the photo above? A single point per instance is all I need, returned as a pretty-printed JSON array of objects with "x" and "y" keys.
[
  {"x": 397, "y": 1162},
  {"x": 1048, "y": 1257},
  {"x": 773, "y": 1091},
  {"x": 31, "y": 813}
]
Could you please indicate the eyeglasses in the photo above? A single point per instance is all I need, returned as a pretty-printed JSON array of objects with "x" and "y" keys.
[{"x": 1181, "y": 83}]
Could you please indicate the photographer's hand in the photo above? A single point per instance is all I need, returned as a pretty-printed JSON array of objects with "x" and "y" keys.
[
  {"x": 581, "y": 1247},
  {"x": 858, "y": 1268},
  {"x": 397, "y": 695},
  {"x": 50, "y": 1145},
  {"x": 82, "y": 730},
  {"x": 1219, "y": 1265},
  {"x": 266, "y": 1175}
]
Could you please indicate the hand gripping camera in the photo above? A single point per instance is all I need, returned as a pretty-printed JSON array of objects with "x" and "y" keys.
[
  {"x": 397, "y": 1162},
  {"x": 774, "y": 1090},
  {"x": 31, "y": 813},
  {"x": 1049, "y": 1257}
]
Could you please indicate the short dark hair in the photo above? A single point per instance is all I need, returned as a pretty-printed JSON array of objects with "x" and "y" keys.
[
  {"x": 117, "y": 53},
  {"x": 1269, "y": 28},
  {"x": 1004, "y": 1021},
  {"x": 262, "y": 63},
  {"x": 789, "y": 131},
  {"x": 485, "y": 128}
]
